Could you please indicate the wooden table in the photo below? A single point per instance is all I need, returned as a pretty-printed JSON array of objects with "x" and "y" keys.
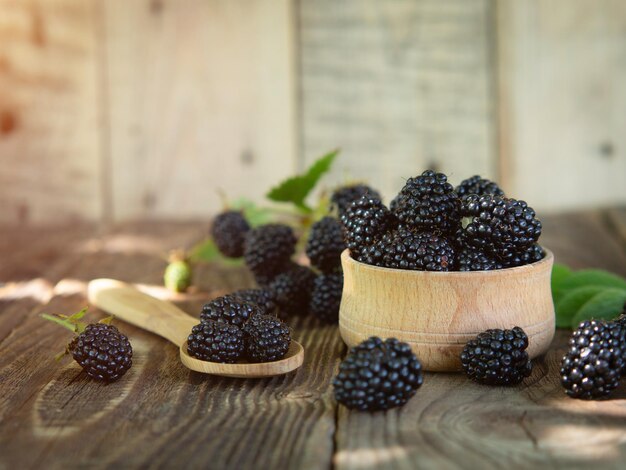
[{"x": 162, "y": 415}]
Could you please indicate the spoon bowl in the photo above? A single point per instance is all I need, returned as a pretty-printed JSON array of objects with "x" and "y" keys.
[{"x": 168, "y": 321}]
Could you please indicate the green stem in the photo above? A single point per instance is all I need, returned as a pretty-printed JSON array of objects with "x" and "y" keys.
[{"x": 60, "y": 321}]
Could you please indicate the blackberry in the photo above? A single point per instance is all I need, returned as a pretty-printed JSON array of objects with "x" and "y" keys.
[
  {"x": 346, "y": 195},
  {"x": 216, "y": 341},
  {"x": 417, "y": 251},
  {"x": 428, "y": 202},
  {"x": 478, "y": 185},
  {"x": 102, "y": 351},
  {"x": 229, "y": 231},
  {"x": 325, "y": 245},
  {"x": 592, "y": 366},
  {"x": 262, "y": 298},
  {"x": 378, "y": 375},
  {"x": 267, "y": 339},
  {"x": 292, "y": 289},
  {"x": 502, "y": 227},
  {"x": 326, "y": 297},
  {"x": 268, "y": 249},
  {"x": 364, "y": 222},
  {"x": 472, "y": 259},
  {"x": 229, "y": 309},
  {"x": 497, "y": 357},
  {"x": 529, "y": 255}
]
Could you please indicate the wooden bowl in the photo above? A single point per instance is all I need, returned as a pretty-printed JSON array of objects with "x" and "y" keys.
[{"x": 438, "y": 312}]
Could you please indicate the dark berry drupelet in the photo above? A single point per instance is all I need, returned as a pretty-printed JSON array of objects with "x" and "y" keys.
[
  {"x": 498, "y": 226},
  {"x": 229, "y": 309},
  {"x": 268, "y": 249},
  {"x": 417, "y": 251},
  {"x": 326, "y": 297},
  {"x": 325, "y": 245},
  {"x": 262, "y": 298},
  {"x": 497, "y": 357},
  {"x": 364, "y": 222},
  {"x": 267, "y": 339},
  {"x": 594, "y": 362},
  {"x": 428, "y": 202},
  {"x": 514, "y": 258},
  {"x": 102, "y": 351},
  {"x": 216, "y": 342},
  {"x": 229, "y": 231},
  {"x": 292, "y": 289},
  {"x": 473, "y": 259},
  {"x": 478, "y": 185},
  {"x": 344, "y": 196},
  {"x": 378, "y": 375}
]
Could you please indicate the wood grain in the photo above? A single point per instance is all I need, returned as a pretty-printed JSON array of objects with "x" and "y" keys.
[
  {"x": 201, "y": 96},
  {"x": 49, "y": 112},
  {"x": 400, "y": 86},
  {"x": 162, "y": 415},
  {"x": 561, "y": 109},
  {"x": 437, "y": 313},
  {"x": 159, "y": 414}
]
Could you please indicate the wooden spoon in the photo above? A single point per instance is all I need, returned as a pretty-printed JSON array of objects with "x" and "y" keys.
[{"x": 171, "y": 323}]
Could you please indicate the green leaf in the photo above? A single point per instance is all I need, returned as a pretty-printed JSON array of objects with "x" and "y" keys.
[
  {"x": 591, "y": 277},
  {"x": 208, "y": 252},
  {"x": 572, "y": 301},
  {"x": 254, "y": 214},
  {"x": 296, "y": 189},
  {"x": 605, "y": 305},
  {"x": 560, "y": 272}
]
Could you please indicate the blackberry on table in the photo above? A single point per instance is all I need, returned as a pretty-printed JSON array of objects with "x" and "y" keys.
[
  {"x": 478, "y": 185},
  {"x": 428, "y": 202},
  {"x": 262, "y": 298},
  {"x": 229, "y": 231},
  {"x": 325, "y": 244},
  {"x": 229, "y": 309},
  {"x": 216, "y": 341},
  {"x": 267, "y": 339},
  {"x": 498, "y": 226},
  {"x": 595, "y": 360},
  {"x": 364, "y": 222},
  {"x": 497, "y": 357},
  {"x": 102, "y": 351},
  {"x": 326, "y": 297},
  {"x": 378, "y": 375},
  {"x": 346, "y": 195},
  {"x": 268, "y": 249},
  {"x": 418, "y": 251},
  {"x": 292, "y": 289}
]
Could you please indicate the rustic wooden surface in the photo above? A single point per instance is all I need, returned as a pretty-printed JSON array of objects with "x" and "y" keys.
[{"x": 162, "y": 415}]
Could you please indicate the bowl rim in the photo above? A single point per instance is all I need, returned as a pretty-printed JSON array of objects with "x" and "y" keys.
[{"x": 532, "y": 267}]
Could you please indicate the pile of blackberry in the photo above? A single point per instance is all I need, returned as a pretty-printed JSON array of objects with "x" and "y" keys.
[
  {"x": 237, "y": 327},
  {"x": 432, "y": 226}
]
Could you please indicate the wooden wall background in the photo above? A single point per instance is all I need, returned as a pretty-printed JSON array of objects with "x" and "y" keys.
[{"x": 112, "y": 109}]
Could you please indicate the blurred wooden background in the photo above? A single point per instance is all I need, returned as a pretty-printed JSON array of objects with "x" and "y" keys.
[{"x": 112, "y": 110}]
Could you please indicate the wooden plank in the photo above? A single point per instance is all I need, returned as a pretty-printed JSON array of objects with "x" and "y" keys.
[
  {"x": 562, "y": 107},
  {"x": 159, "y": 414},
  {"x": 200, "y": 97},
  {"x": 399, "y": 86},
  {"x": 454, "y": 423},
  {"x": 49, "y": 141}
]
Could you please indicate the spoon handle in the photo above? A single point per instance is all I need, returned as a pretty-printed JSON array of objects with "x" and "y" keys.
[{"x": 142, "y": 310}]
